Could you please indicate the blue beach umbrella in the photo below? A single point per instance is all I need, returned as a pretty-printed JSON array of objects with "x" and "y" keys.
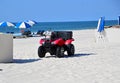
[
  {"x": 101, "y": 24},
  {"x": 118, "y": 20},
  {"x": 31, "y": 22},
  {"x": 22, "y": 25},
  {"x": 6, "y": 24}
]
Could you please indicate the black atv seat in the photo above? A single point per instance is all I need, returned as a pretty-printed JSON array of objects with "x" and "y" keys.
[{"x": 62, "y": 34}]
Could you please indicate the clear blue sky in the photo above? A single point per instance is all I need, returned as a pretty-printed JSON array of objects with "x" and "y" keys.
[{"x": 58, "y": 10}]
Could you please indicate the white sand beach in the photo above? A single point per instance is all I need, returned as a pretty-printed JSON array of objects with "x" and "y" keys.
[{"x": 92, "y": 62}]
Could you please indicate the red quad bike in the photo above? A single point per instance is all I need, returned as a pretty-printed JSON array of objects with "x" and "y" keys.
[{"x": 56, "y": 44}]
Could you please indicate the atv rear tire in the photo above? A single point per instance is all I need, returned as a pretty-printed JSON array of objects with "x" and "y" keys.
[
  {"x": 60, "y": 51},
  {"x": 41, "y": 52},
  {"x": 70, "y": 49}
]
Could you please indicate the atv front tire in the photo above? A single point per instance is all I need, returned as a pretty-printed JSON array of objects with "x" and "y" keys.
[
  {"x": 70, "y": 49},
  {"x": 41, "y": 52},
  {"x": 60, "y": 51}
]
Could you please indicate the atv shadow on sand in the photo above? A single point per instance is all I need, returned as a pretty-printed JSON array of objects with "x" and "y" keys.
[{"x": 73, "y": 56}]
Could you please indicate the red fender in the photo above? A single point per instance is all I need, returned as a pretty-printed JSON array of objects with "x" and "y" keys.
[
  {"x": 59, "y": 42},
  {"x": 69, "y": 41},
  {"x": 41, "y": 41}
]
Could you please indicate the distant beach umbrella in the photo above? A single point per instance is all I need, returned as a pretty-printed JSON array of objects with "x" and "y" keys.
[
  {"x": 22, "y": 25},
  {"x": 6, "y": 24},
  {"x": 31, "y": 22},
  {"x": 118, "y": 20},
  {"x": 101, "y": 24},
  {"x": 100, "y": 32}
]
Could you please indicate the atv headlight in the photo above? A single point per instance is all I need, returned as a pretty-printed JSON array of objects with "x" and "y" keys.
[
  {"x": 52, "y": 43},
  {"x": 42, "y": 43}
]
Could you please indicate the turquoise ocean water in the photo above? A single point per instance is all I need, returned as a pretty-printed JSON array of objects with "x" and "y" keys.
[{"x": 76, "y": 25}]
